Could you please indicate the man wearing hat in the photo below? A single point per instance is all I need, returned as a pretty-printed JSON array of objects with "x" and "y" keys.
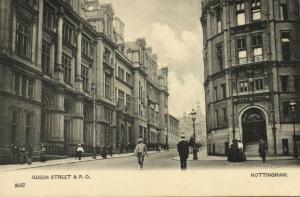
[
  {"x": 140, "y": 151},
  {"x": 183, "y": 150}
]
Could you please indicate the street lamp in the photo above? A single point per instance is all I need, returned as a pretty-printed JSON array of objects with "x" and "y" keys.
[
  {"x": 193, "y": 115},
  {"x": 293, "y": 105},
  {"x": 93, "y": 87}
]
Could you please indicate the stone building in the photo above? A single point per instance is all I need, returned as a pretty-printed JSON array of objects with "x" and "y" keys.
[
  {"x": 56, "y": 57},
  {"x": 186, "y": 125},
  {"x": 173, "y": 134},
  {"x": 251, "y": 61}
]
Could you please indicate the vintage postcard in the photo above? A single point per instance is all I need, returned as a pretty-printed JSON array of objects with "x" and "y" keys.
[{"x": 149, "y": 97}]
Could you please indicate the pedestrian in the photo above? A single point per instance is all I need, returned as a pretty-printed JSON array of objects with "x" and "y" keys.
[
  {"x": 127, "y": 147},
  {"x": 22, "y": 154},
  {"x": 43, "y": 152},
  {"x": 262, "y": 149},
  {"x": 109, "y": 149},
  {"x": 29, "y": 154},
  {"x": 140, "y": 151},
  {"x": 119, "y": 148},
  {"x": 13, "y": 152},
  {"x": 79, "y": 151},
  {"x": 183, "y": 150}
]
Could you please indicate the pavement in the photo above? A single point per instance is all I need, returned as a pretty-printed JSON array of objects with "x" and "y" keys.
[
  {"x": 68, "y": 160},
  {"x": 202, "y": 155}
]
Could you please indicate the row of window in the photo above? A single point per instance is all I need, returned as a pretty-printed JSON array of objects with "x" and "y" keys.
[
  {"x": 16, "y": 126},
  {"x": 286, "y": 81},
  {"x": 256, "y": 49},
  {"x": 218, "y": 96},
  {"x": 24, "y": 85},
  {"x": 220, "y": 117},
  {"x": 256, "y": 14},
  {"x": 124, "y": 77}
]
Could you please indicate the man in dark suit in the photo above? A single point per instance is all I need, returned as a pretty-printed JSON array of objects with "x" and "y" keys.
[
  {"x": 183, "y": 150},
  {"x": 262, "y": 149}
]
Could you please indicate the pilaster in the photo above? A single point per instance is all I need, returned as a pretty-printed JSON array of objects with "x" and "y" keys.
[{"x": 78, "y": 78}]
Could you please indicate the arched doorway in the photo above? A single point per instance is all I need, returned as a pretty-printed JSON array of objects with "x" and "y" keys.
[{"x": 254, "y": 126}]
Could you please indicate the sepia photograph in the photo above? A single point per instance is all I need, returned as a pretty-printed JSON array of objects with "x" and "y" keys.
[{"x": 149, "y": 97}]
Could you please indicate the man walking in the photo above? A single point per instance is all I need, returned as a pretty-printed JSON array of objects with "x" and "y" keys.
[
  {"x": 183, "y": 150},
  {"x": 140, "y": 151},
  {"x": 262, "y": 149},
  {"x": 79, "y": 151}
]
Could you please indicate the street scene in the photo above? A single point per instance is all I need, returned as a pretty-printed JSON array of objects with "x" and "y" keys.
[{"x": 165, "y": 160}]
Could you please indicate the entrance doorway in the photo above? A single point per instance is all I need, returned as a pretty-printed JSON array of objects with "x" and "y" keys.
[{"x": 254, "y": 126}]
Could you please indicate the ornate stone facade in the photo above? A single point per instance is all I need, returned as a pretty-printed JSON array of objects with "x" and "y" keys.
[{"x": 251, "y": 63}]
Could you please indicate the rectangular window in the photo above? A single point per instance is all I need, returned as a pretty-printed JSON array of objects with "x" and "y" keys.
[
  {"x": 24, "y": 86},
  {"x": 216, "y": 93},
  {"x": 121, "y": 73},
  {"x": 284, "y": 83},
  {"x": 241, "y": 50},
  {"x": 285, "y": 46},
  {"x": 17, "y": 83},
  {"x": 107, "y": 86},
  {"x": 219, "y": 19},
  {"x": 106, "y": 56},
  {"x": 48, "y": 17},
  {"x": 46, "y": 57},
  {"x": 287, "y": 112},
  {"x": 140, "y": 91},
  {"x": 85, "y": 78},
  {"x": 240, "y": 13},
  {"x": 243, "y": 86},
  {"x": 69, "y": 33},
  {"x": 259, "y": 84},
  {"x": 29, "y": 127},
  {"x": 30, "y": 88},
  {"x": 283, "y": 10},
  {"x": 224, "y": 110},
  {"x": 67, "y": 64},
  {"x": 128, "y": 78},
  {"x": 223, "y": 88},
  {"x": 121, "y": 97},
  {"x": 256, "y": 10},
  {"x": 220, "y": 56},
  {"x": 86, "y": 46},
  {"x": 256, "y": 42},
  {"x": 108, "y": 116},
  {"x": 14, "y": 126},
  {"x": 128, "y": 102},
  {"x": 216, "y": 118},
  {"x": 23, "y": 39}
]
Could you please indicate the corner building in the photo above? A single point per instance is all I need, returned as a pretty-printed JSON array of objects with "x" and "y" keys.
[
  {"x": 51, "y": 53},
  {"x": 251, "y": 66}
]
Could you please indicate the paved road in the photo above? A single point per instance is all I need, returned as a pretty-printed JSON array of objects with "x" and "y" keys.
[{"x": 165, "y": 160}]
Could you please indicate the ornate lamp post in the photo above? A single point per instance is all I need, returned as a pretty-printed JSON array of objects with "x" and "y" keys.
[
  {"x": 293, "y": 105},
  {"x": 193, "y": 115},
  {"x": 93, "y": 87}
]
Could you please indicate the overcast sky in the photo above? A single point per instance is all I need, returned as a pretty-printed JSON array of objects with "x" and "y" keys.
[{"x": 172, "y": 28}]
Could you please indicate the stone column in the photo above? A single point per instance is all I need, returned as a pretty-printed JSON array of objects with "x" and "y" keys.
[
  {"x": 59, "y": 70},
  {"x": 54, "y": 119},
  {"x": 76, "y": 133},
  {"x": 78, "y": 79}
]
